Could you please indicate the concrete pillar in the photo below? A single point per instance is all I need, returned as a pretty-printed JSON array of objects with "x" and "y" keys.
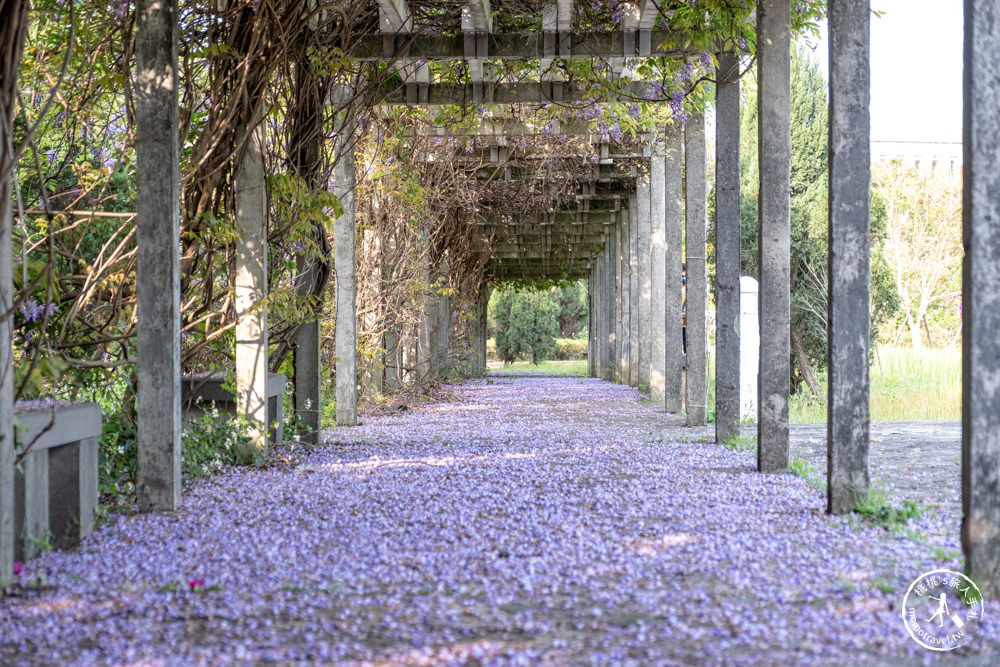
[
  {"x": 308, "y": 363},
  {"x": 6, "y": 374},
  {"x": 673, "y": 213},
  {"x": 250, "y": 281},
  {"x": 727, "y": 248},
  {"x": 157, "y": 147},
  {"x": 695, "y": 223},
  {"x": 409, "y": 355},
  {"x": 374, "y": 363},
  {"x": 600, "y": 341},
  {"x": 657, "y": 268},
  {"x": 478, "y": 331},
  {"x": 425, "y": 322},
  {"x": 393, "y": 348},
  {"x": 442, "y": 322},
  {"x": 393, "y": 340},
  {"x": 849, "y": 260},
  {"x": 645, "y": 284},
  {"x": 749, "y": 362},
  {"x": 774, "y": 139},
  {"x": 633, "y": 281},
  {"x": 981, "y": 305},
  {"x": 624, "y": 348},
  {"x": 591, "y": 318},
  {"x": 616, "y": 319},
  {"x": 345, "y": 261},
  {"x": 592, "y": 349},
  {"x": 610, "y": 276},
  {"x": 605, "y": 341},
  {"x": 484, "y": 327}
]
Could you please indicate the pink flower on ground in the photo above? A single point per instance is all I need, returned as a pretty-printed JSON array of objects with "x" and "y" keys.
[
  {"x": 196, "y": 585},
  {"x": 18, "y": 570}
]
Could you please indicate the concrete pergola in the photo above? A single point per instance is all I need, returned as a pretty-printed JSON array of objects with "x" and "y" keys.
[{"x": 634, "y": 214}]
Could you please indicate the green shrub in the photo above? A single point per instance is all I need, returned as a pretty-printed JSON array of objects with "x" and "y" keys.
[
  {"x": 211, "y": 441},
  {"x": 570, "y": 348}
]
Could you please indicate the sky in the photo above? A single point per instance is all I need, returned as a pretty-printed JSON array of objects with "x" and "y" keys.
[{"x": 916, "y": 70}]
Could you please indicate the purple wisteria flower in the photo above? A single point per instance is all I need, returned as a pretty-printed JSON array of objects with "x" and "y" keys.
[{"x": 33, "y": 311}]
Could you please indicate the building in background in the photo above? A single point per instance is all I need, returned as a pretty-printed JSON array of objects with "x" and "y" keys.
[{"x": 937, "y": 159}]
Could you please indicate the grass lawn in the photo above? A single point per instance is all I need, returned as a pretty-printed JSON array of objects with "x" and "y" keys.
[
  {"x": 568, "y": 367},
  {"x": 905, "y": 385}
]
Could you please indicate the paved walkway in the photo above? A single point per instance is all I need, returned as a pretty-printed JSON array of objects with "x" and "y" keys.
[{"x": 526, "y": 521}]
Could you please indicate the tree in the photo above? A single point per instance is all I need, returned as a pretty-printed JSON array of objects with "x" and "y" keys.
[
  {"x": 524, "y": 324},
  {"x": 808, "y": 212},
  {"x": 572, "y": 302},
  {"x": 809, "y": 219},
  {"x": 923, "y": 240}
]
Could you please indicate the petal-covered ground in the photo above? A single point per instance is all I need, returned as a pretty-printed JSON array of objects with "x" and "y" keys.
[{"x": 527, "y": 521}]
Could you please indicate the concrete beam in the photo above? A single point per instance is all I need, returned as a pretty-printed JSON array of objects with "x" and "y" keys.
[
  {"x": 479, "y": 16},
  {"x": 394, "y": 16},
  {"x": 980, "y": 302},
  {"x": 477, "y": 23},
  {"x": 774, "y": 138},
  {"x": 727, "y": 248},
  {"x": 478, "y": 157},
  {"x": 507, "y": 172},
  {"x": 525, "y": 46},
  {"x": 504, "y": 127},
  {"x": 648, "y": 11},
  {"x": 157, "y": 146},
  {"x": 631, "y": 14},
  {"x": 695, "y": 224},
  {"x": 673, "y": 369},
  {"x": 518, "y": 93}
]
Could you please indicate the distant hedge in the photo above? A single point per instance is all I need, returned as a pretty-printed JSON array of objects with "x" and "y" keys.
[{"x": 570, "y": 348}]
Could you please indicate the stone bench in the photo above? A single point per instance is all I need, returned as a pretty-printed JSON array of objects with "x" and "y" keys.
[
  {"x": 209, "y": 388},
  {"x": 55, "y": 487}
]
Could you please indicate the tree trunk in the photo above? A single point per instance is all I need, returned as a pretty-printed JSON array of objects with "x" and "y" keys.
[{"x": 802, "y": 360}]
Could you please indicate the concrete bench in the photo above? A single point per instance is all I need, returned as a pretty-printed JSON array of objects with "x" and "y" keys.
[
  {"x": 209, "y": 388},
  {"x": 55, "y": 487}
]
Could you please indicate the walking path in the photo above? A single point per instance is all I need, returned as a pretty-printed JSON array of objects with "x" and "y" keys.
[{"x": 530, "y": 520}]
